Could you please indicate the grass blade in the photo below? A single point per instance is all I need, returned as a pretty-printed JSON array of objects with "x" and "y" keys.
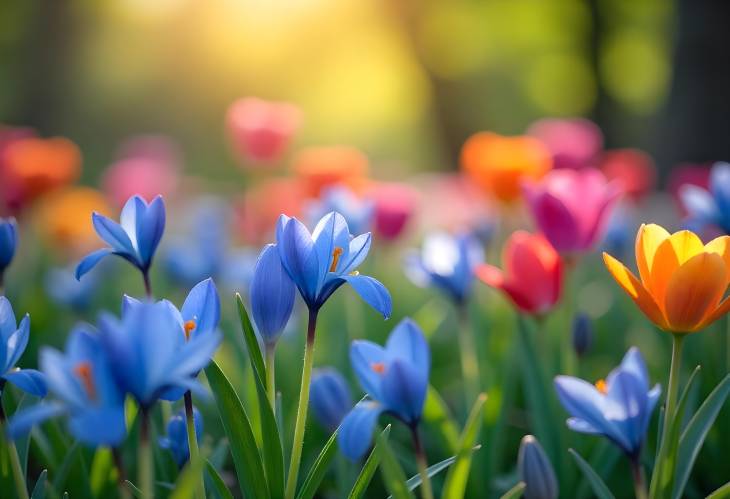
[
  {"x": 218, "y": 485},
  {"x": 515, "y": 492},
  {"x": 393, "y": 475},
  {"x": 186, "y": 484},
  {"x": 39, "y": 491},
  {"x": 436, "y": 415},
  {"x": 458, "y": 475},
  {"x": 319, "y": 468},
  {"x": 252, "y": 343},
  {"x": 721, "y": 493},
  {"x": 432, "y": 471},
  {"x": 368, "y": 470},
  {"x": 597, "y": 484}
]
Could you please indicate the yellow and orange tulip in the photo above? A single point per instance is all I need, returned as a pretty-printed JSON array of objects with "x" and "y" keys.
[{"x": 682, "y": 281}]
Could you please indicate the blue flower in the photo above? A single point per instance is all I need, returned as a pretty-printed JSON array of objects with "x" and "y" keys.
[
  {"x": 83, "y": 389},
  {"x": 582, "y": 333},
  {"x": 358, "y": 213},
  {"x": 13, "y": 340},
  {"x": 63, "y": 288},
  {"x": 709, "y": 208},
  {"x": 330, "y": 397},
  {"x": 395, "y": 379},
  {"x": 536, "y": 471},
  {"x": 176, "y": 440},
  {"x": 446, "y": 262},
  {"x": 135, "y": 238},
  {"x": 272, "y": 295},
  {"x": 322, "y": 261},
  {"x": 618, "y": 408},
  {"x": 148, "y": 351},
  {"x": 620, "y": 232},
  {"x": 8, "y": 243}
]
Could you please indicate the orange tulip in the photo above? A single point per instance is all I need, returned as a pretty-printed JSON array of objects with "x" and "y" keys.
[
  {"x": 532, "y": 276},
  {"x": 320, "y": 167},
  {"x": 500, "y": 164},
  {"x": 682, "y": 280}
]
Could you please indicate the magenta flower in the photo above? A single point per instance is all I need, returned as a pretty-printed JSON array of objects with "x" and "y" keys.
[{"x": 571, "y": 207}]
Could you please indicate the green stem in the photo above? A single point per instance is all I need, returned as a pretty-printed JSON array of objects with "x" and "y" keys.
[
  {"x": 296, "y": 451},
  {"x": 568, "y": 356},
  {"x": 637, "y": 473},
  {"x": 426, "y": 490},
  {"x": 469, "y": 363},
  {"x": 658, "y": 481},
  {"x": 193, "y": 442},
  {"x": 270, "y": 376},
  {"x": 124, "y": 492},
  {"x": 18, "y": 476},
  {"x": 144, "y": 458}
]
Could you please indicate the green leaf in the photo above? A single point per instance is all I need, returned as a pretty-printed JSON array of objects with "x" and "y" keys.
[
  {"x": 694, "y": 435},
  {"x": 133, "y": 489},
  {"x": 515, "y": 492},
  {"x": 237, "y": 425},
  {"x": 368, "y": 470},
  {"x": 60, "y": 481},
  {"x": 458, "y": 475},
  {"x": 597, "y": 484},
  {"x": 217, "y": 482},
  {"x": 436, "y": 414},
  {"x": 186, "y": 484},
  {"x": 393, "y": 475},
  {"x": 39, "y": 491},
  {"x": 252, "y": 343},
  {"x": 319, "y": 468},
  {"x": 101, "y": 468},
  {"x": 721, "y": 493},
  {"x": 432, "y": 471}
]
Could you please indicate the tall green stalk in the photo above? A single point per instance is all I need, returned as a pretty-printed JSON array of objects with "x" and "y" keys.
[
  {"x": 296, "y": 451},
  {"x": 426, "y": 490},
  {"x": 193, "y": 442},
  {"x": 18, "y": 476},
  {"x": 270, "y": 376},
  {"x": 469, "y": 362},
  {"x": 145, "y": 464}
]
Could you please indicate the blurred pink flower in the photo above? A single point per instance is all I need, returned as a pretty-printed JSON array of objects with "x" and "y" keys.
[
  {"x": 147, "y": 165},
  {"x": 573, "y": 143},
  {"x": 633, "y": 168},
  {"x": 571, "y": 207},
  {"x": 394, "y": 207},
  {"x": 259, "y": 130},
  {"x": 461, "y": 204},
  {"x": 687, "y": 174}
]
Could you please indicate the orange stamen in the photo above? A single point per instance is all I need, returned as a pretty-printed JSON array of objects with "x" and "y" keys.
[
  {"x": 601, "y": 386},
  {"x": 378, "y": 367},
  {"x": 83, "y": 371},
  {"x": 189, "y": 327},
  {"x": 336, "y": 258}
]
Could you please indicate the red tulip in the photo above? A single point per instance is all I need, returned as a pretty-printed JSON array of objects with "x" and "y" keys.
[{"x": 633, "y": 168}]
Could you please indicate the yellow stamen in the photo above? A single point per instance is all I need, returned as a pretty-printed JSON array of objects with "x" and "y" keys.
[
  {"x": 378, "y": 367},
  {"x": 601, "y": 386},
  {"x": 189, "y": 327},
  {"x": 336, "y": 258},
  {"x": 83, "y": 371}
]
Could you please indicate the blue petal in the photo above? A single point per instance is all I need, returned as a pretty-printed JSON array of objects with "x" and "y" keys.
[
  {"x": 112, "y": 233},
  {"x": 195, "y": 354},
  {"x": 628, "y": 408},
  {"x": 99, "y": 426},
  {"x": 582, "y": 426},
  {"x": 272, "y": 295},
  {"x": 364, "y": 356},
  {"x": 372, "y": 291},
  {"x": 329, "y": 397},
  {"x": 17, "y": 342},
  {"x": 90, "y": 261},
  {"x": 8, "y": 325},
  {"x": 404, "y": 390},
  {"x": 359, "y": 249},
  {"x": 28, "y": 380},
  {"x": 128, "y": 303},
  {"x": 25, "y": 419},
  {"x": 300, "y": 258},
  {"x": 720, "y": 186},
  {"x": 131, "y": 216},
  {"x": 415, "y": 271},
  {"x": 331, "y": 232},
  {"x": 407, "y": 342},
  {"x": 633, "y": 363},
  {"x": 59, "y": 379},
  {"x": 203, "y": 306},
  {"x": 150, "y": 229},
  {"x": 356, "y": 431},
  {"x": 699, "y": 203}
]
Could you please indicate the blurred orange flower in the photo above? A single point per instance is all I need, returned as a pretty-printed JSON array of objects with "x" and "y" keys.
[
  {"x": 320, "y": 167},
  {"x": 499, "y": 164},
  {"x": 63, "y": 218},
  {"x": 259, "y": 208},
  {"x": 683, "y": 281},
  {"x": 37, "y": 166}
]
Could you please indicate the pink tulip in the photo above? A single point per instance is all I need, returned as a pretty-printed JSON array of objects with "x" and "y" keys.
[
  {"x": 147, "y": 166},
  {"x": 571, "y": 207},
  {"x": 394, "y": 207},
  {"x": 574, "y": 143},
  {"x": 259, "y": 130}
]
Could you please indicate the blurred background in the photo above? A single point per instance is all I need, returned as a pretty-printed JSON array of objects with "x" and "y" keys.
[{"x": 405, "y": 80}]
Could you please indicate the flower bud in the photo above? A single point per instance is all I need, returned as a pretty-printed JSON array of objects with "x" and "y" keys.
[
  {"x": 330, "y": 397},
  {"x": 272, "y": 295},
  {"x": 8, "y": 242},
  {"x": 582, "y": 334},
  {"x": 176, "y": 440},
  {"x": 536, "y": 471}
]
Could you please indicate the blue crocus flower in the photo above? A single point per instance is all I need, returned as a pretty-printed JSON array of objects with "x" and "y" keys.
[
  {"x": 620, "y": 232},
  {"x": 135, "y": 238},
  {"x": 65, "y": 290},
  {"x": 272, "y": 296},
  {"x": 618, "y": 408},
  {"x": 83, "y": 389},
  {"x": 176, "y": 440},
  {"x": 446, "y": 262},
  {"x": 330, "y": 397},
  {"x": 359, "y": 213},
  {"x": 396, "y": 381},
  {"x": 709, "y": 208},
  {"x": 13, "y": 340},
  {"x": 8, "y": 243},
  {"x": 322, "y": 261},
  {"x": 148, "y": 352},
  {"x": 536, "y": 471}
]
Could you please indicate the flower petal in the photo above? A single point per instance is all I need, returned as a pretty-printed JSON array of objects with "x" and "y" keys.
[
  {"x": 404, "y": 388},
  {"x": 356, "y": 430},
  {"x": 28, "y": 380},
  {"x": 90, "y": 261},
  {"x": 406, "y": 341},
  {"x": 555, "y": 221},
  {"x": 699, "y": 203},
  {"x": 299, "y": 257},
  {"x": 670, "y": 254},
  {"x": 99, "y": 426},
  {"x": 648, "y": 239},
  {"x": 721, "y": 246},
  {"x": 17, "y": 342},
  {"x": 22, "y": 421},
  {"x": 272, "y": 295},
  {"x": 150, "y": 229},
  {"x": 635, "y": 290},
  {"x": 203, "y": 306},
  {"x": 372, "y": 291},
  {"x": 330, "y": 233},
  {"x": 112, "y": 233},
  {"x": 8, "y": 325},
  {"x": 367, "y": 359},
  {"x": 359, "y": 249}
]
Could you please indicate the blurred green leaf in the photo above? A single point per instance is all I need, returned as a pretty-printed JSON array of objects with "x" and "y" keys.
[
  {"x": 368, "y": 470},
  {"x": 39, "y": 491},
  {"x": 59, "y": 481},
  {"x": 436, "y": 414},
  {"x": 721, "y": 493},
  {"x": 217, "y": 482},
  {"x": 597, "y": 483},
  {"x": 246, "y": 456},
  {"x": 319, "y": 468},
  {"x": 458, "y": 474},
  {"x": 101, "y": 467},
  {"x": 252, "y": 343},
  {"x": 515, "y": 492},
  {"x": 133, "y": 489},
  {"x": 393, "y": 475},
  {"x": 187, "y": 482},
  {"x": 694, "y": 435},
  {"x": 432, "y": 471}
]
